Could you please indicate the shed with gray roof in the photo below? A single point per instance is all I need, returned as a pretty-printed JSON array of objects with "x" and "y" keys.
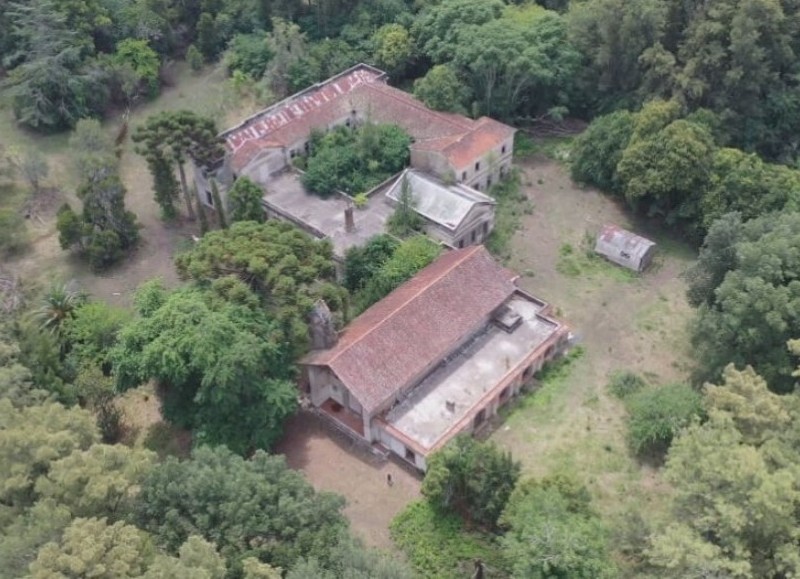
[{"x": 625, "y": 248}]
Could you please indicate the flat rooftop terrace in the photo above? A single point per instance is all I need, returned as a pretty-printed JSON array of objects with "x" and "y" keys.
[
  {"x": 286, "y": 193},
  {"x": 479, "y": 367}
]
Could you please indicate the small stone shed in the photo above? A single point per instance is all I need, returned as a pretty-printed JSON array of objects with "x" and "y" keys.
[{"x": 625, "y": 248}]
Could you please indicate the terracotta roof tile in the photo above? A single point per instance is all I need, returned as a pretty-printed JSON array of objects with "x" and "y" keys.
[
  {"x": 486, "y": 135},
  {"x": 413, "y": 328},
  {"x": 364, "y": 90}
]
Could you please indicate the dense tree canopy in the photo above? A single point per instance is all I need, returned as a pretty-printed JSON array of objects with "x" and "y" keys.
[
  {"x": 734, "y": 511},
  {"x": 100, "y": 481},
  {"x": 746, "y": 281},
  {"x": 471, "y": 478},
  {"x": 672, "y": 167},
  {"x": 441, "y": 89},
  {"x": 598, "y": 151},
  {"x": 248, "y": 508},
  {"x": 32, "y": 438},
  {"x": 553, "y": 532},
  {"x": 93, "y": 548},
  {"x": 221, "y": 358},
  {"x": 287, "y": 269}
]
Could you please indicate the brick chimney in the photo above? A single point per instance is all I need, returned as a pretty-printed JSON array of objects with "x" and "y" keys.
[{"x": 349, "y": 220}]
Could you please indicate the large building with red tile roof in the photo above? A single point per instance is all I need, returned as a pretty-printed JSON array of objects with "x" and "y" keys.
[
  {"x": 453, "y": 147},
  {"x": 452, "y": 157},
  {"x": 436, "y": 357}
]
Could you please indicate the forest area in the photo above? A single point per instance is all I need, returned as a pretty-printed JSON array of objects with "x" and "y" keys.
[{"x": 692, "y": 116}]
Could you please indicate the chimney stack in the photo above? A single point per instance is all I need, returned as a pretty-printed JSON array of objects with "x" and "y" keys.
[
  {"x": 349, "y": 220},
  {"x": 321, "y": 327}
]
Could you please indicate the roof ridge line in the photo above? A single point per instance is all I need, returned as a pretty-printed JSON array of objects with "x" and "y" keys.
[
  {"x": 467, "y": 253},
  {"x": 413, "y": 101}
]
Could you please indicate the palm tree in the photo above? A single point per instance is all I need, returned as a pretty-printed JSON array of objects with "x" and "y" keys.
[{"x": 58, "y": 304}]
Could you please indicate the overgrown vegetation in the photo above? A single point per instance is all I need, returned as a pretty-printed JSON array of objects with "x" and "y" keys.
[
  {"x": 701, "y": 118},
  {"x": 244, "y": 201},
  {"x": 536, "y": 528},
  {"x": 438, "y": 545},
  {"x": 377, "y": 280},
  {"x": 671, "y": 164},
  {"x": 552, "y": 531},
  {"x": 583, "y": 261},
  {"x": 656, "y": 415},
  {"x": 405, "y": 220},
  {"x": 625, "y": 384},
  {"x": 354, "y": 160},
  {"x": 549, "y": 380},
  {"x": 512, "y": 203},
  {"x": 470, "y": 478}
]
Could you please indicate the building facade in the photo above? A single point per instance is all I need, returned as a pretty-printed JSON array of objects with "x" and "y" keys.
[
  {"x": 436, "y": 357},
  {"x": 451, "y": 147},
  {"x": 455, "y": 214}
]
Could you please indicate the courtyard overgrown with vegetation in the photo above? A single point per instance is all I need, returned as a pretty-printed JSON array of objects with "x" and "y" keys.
[{"x": 149, "y": 344}]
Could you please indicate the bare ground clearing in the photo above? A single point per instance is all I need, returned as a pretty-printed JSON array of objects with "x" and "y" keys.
[
  {"x": 331, "y": 462},
  {"x": 622, "y": 321}
]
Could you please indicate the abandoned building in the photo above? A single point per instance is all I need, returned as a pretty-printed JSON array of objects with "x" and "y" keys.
[
  {"x": 625, "y": 248},
  {"x": 454, "y": 214},
  {"x": 449, "y": 148},
  {"x": 436, "y": 357}
]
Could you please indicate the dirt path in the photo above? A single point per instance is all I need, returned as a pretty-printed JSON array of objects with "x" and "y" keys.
[{"x": 331, "y": 462}]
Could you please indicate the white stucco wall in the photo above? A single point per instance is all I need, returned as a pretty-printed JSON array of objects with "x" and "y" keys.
[{"x": 399, "y": 449}]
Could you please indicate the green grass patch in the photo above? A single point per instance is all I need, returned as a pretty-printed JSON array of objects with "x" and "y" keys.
[
  {"x": 551, "y": 379},
  {"x": 439, "y": 547},
  {"x": 512, "y": 204},
  {"x": 583, "y": 262}
]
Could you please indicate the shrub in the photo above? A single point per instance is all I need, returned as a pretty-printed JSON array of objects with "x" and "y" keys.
[
  {"x": 656, "y": 415},
  {"x": 597, "y": 151},
  {"x": 194, "y": 58},
  {"x": 471, "y": 478},
  {"x": 437, "y": 545},
  {"x": 624, "y": 384},
  {"x": 552, "y": 532}
]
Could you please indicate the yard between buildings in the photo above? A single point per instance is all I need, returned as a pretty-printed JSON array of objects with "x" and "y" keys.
[{"x": 622, "y": 322}]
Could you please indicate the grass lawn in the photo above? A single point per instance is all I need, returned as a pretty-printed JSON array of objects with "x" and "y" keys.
[{"x": 622, "y": 321}]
